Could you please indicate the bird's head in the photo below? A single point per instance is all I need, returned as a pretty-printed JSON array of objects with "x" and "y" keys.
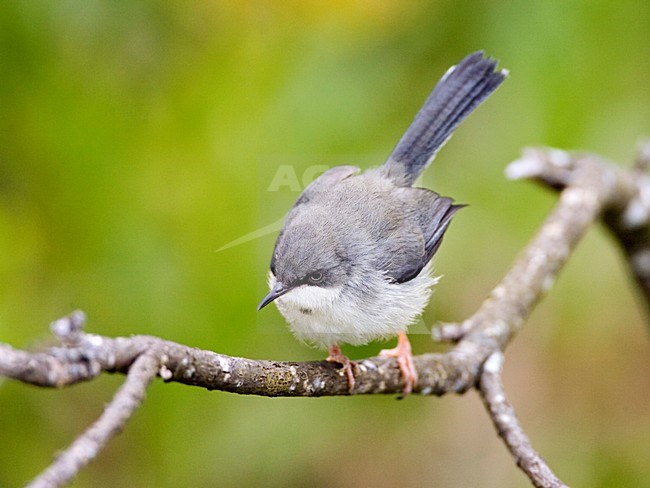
[{"x": 308, "y": 253}]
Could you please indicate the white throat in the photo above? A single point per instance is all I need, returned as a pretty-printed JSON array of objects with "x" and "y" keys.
[{"x": 323, "y": 316}]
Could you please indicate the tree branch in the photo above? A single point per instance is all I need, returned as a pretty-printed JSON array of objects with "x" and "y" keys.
[
  {"x": 594, "y": 186},
  {"x": 505, "y": 421},
  {"x": 627, "y": 209},
  {"x": 60, "y": 367},
  {"x": 118, "y": 412},
  {"x": 590, "y": 188}
]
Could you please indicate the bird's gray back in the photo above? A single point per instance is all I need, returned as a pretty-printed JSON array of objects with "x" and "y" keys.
[{"x": 364, "y": 220}]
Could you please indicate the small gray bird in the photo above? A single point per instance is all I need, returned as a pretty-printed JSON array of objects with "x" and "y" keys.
[{"x": 353, "y": 261}]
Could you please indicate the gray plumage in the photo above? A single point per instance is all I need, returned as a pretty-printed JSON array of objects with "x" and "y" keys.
[{"x": 352, "y": 261}]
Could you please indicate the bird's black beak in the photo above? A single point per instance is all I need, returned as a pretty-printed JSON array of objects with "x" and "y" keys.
[{"x": 278, "y": 290}]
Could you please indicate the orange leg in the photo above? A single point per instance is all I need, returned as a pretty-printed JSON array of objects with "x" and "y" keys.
[
  {"x": 336, "y": 356},
  {"x": 405, "y": 360}
]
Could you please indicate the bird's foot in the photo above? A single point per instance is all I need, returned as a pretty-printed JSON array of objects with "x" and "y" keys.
[
  {"x": 405, "y": 360},
  {"x": 336, "y": 356}
]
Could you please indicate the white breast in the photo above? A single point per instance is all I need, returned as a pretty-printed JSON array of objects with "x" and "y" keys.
[{"x": 325, "y": 316}]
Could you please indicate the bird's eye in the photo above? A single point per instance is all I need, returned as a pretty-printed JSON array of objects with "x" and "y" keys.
[{"x": 315, "y": 277}]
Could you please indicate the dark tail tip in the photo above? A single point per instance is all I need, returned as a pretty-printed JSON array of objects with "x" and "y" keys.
[{"x": 461, "y": 89}]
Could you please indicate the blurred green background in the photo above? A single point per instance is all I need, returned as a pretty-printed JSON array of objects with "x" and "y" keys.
[{"x": 137, "y": 138}]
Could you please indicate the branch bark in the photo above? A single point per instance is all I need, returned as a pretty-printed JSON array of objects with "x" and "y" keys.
[
  {"x": 63, "y": 366},
  {"x": 590, "y": 188},
  {"x": 507, "y": 426},
  {"x": 626, "y": 212},
  {"x": 118, "y": 412}
]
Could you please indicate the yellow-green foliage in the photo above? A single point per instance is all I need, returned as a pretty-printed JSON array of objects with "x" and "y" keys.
[{"x": 137, "y": 138}]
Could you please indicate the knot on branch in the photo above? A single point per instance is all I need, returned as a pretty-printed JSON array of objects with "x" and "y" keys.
[{"x": 68, "y": 330}]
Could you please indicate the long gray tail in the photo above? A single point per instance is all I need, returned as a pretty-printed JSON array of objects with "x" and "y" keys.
[{"x": 457, "y": 94}]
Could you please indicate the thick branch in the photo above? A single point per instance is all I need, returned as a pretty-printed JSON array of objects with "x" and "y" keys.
[
  {"x": 627, "y": 210},
  {"x": 593, "y": 187},
  {"x": 66, "y": 366},
  {"x": 590, "y": 188}
]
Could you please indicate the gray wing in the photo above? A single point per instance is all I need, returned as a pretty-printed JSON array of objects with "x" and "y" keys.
[
  {"x": 423, "y": 230},
  {"x": 402, "y": 252},
  {"x": 438, "y": 217}
]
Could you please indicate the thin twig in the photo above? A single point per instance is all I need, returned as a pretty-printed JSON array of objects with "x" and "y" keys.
[
  {"x": 507, "y": 426},
  {"x": 118, "y": 412}
]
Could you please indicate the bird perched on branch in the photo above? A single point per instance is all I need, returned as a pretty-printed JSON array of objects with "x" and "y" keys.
[{"x": 352, "y": 263}]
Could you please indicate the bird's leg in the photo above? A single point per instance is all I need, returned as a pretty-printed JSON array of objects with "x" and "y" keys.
[
  {"x": 336, "y": 356},
  {"x": 405, "y": 360}
]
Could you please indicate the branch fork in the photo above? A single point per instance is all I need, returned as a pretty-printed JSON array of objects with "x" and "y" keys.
[{"x": 590, "y": 188}]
